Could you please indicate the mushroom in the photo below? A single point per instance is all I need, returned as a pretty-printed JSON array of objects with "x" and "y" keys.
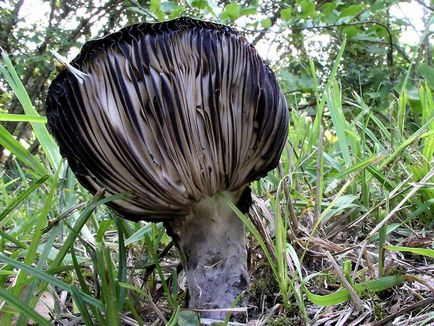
[{"x": 176, "y": 114}]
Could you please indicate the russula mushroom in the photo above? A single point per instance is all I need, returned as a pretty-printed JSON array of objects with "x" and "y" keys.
[{"x": 175, "y": 113}]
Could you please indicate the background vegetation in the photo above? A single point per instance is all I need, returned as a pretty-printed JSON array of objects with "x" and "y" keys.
[{"x": 340, "y": 233}]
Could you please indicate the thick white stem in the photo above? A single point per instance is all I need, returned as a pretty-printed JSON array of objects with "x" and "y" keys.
[{"x": 213, "y": 242}]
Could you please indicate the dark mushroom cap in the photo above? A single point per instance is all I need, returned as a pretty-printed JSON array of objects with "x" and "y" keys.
[{"x": 170, "y": 112}]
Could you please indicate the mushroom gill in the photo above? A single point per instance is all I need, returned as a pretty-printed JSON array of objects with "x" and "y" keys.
[{"x": 175, "y": 113}]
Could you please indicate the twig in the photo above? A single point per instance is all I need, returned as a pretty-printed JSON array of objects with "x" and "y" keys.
[
  {"x": 156, "y": 310},
  {"x": 424, "y": 5},
  {"x": 359, "y": 259},
  {"x": 403, "y": 311},
  {"x": 358, "y": 304}
]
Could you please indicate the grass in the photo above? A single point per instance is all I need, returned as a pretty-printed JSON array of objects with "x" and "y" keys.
[{"x": 345, "y": 208}]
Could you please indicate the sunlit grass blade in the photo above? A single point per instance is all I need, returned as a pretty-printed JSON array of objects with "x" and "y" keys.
[
  {"x": 426, "y": 101},
  {"x": 15, "y": 147},
  {"x": 331, "y": 77},
  {"x": 419, "y": 251},
  {"x": 334, "y": 101},
  {"x": 342, "y": 295},
  {"x": 47, "y": 142},
  {"x": 420, "y": 133},
  {"x": 22, "y": 117},
  {"x": 21, "y": 197},
  {"x": 252, "y": 229},
  {"x": 140, "y": 234},
  {"x": 361, "y": 165}
]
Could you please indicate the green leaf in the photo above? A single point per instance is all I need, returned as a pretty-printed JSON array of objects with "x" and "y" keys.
[
  {"x": 233, "y": 10},
  {"x": 286, "y": 14},
  {"x": 188, "y": 318},
  {"x": 428, "y": 74},
  {"x": 352, "y": 11},
  {"x": 176, "y": 13},
  {"x": 350, "y": 31},
  {"x": 249, "y": 11},
  {"x": 308, "y": 9},
  {"x": 327, "y": 8},
  {"x": 418, "y": 251},
  {"x": 266, "y": 23},
  {"x": 200, "y": 4}
]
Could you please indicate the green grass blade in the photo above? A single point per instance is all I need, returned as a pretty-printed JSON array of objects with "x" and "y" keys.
[
  {"x": 122, "y": 268},
  {"x": 80, "y": 277},
  {"x": 35, "y": 240},
  {"x": 47, "y": 142},
  {"x": 22, "y": 118},
  {"x": 419, "y": 251},
  {"x": 132, "y": 309},
  {"x": 252, "y": 229},
  {"x": 416, "y": 135},
  {"x": 30, "y": 298},
  {"x": 402, "y": 107},
  {"x": 342, "y": 295},
  {"x": 21, "y": 197},
  {"x": 425, "y": 96},
  {"x": 140, "y": 234},
  {"x": 108, "y": 292},
  {"x": 48, "y": 278},
  {"x": 81, "y": 221},
  {"x": 15, "y": 147},
  {"x": 361, "y": 165},
  {"x": 154, "y": 256},
  {"x": 14, "y": 301},
  {"x": 10, "y": 238},
  {"x": 320, "y": 106},
  {"x": 334, "y": 101},
  {"x": 81, "y": 306}
]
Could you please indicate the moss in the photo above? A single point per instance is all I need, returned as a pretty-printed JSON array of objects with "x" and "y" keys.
[
  {"x": 281, "y": 321},
  {"x": 379, "y": 312},
  {"x": 264, "y": 284}
]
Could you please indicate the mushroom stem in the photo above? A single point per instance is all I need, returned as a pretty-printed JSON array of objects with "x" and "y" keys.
[{"x": 212, "y": 240}]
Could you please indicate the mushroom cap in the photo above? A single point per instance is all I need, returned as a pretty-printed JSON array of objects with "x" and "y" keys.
[{"x": 170, "y": 113}]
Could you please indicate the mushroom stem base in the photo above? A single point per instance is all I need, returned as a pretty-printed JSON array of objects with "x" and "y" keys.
[{"x": 212, "y": 241}]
